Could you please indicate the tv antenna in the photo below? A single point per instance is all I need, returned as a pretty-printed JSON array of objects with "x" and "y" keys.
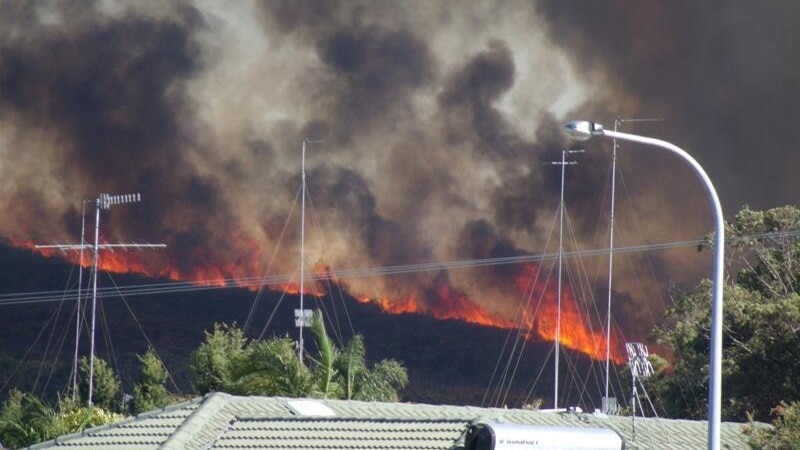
[
  {"x": 104, "y": 202},
  {"x": 641, "y": 368}
]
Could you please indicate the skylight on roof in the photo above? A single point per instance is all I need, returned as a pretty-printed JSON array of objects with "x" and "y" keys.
[{"x": 310, "y": 408}]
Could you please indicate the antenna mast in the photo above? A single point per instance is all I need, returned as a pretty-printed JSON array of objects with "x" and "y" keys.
[
  {"x": 300, "y": 345},
  {"x": 302, "y": 317},
  {"x": 563, "y": 163},
  {"x": 78, "y": 305},
  {"x": 104, "y": 201},
  {"x": 608, "y": 405}
]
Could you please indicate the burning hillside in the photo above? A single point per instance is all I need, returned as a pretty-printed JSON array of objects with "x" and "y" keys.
[
  {"x": 435, "y": 121},
  {"x": 537, "y": 320}
]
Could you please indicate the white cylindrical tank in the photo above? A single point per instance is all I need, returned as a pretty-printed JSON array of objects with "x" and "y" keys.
[{"x": 508, "y": 436}]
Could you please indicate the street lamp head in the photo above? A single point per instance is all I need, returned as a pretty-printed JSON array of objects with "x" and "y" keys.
[{"x": 582, "y": 130}]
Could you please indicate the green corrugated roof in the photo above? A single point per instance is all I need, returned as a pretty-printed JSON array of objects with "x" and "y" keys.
[
  {"x": 220, "y": 420},
  {"x": 340, "y": 433}
]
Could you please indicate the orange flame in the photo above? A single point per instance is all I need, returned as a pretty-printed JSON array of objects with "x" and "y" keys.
[
  {"x": 447, "y": 303},
  {"x": 575, "y": 332}
]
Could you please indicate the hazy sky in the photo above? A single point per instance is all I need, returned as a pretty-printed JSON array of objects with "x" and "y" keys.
[{"x": 438, "y": 120}]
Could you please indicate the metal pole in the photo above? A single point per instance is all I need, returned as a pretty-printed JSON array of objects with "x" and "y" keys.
[
  {"x": 302, "y": 250},
  {"x": 634, "y": 395},
  {"x": 715, "y": 359},
  {"x": 610, "y": 258},
  {"x": 94, "y": 295},
  {"x": 78, "y": 307},
  {"x": 560, "y": 263}
]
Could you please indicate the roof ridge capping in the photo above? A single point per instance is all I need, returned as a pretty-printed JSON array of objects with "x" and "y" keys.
[
  {"x": 110, "y": 426},
  {"x": 261, "y": 417},
  {"x": 211, "y": 404},
  {"x": 445, "y": 433}
]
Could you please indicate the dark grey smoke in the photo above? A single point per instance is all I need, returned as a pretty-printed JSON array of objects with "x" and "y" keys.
[
  {"x": 723, "y": 74},
  {"x": 439, "y": 119},
  {"x": 110, "y": 93},
  {"x": 375, "y": 71}
]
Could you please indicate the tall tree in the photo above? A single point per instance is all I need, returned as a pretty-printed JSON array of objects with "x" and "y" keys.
[
  {"x": 227, "y": 362},
  {"x": 349, "y": 373},
  {"x": 24, "y": 420},
  {"x": 105, "y": 385},
  {"x": 211, "y": 363},
  {"x": 785, "y": 432},
  {"x": 351, "y": 367},
  {"x": 761, "y": 354},
  {"x": 270, "y": 367},
  {"x": 383, "y": 382},
  {"x": 151, "y": 392},
  {"x": 325, "y": 373}
]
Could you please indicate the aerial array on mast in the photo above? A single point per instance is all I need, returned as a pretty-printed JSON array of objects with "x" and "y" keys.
[
  {"x": 103, "y": 202},
  {"x": 641, "y": 368}
]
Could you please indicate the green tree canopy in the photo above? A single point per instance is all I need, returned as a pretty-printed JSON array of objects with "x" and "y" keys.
[
  {"x": 211, "y": 363},
  {"x": 226, "y": 361},
  {"x": 761, "y": 343},
  {"x": 151, "y": 392},
  {"x": 105, "y": 385},
  {"x": 785, "y": 433},
  {"x": 270, "y": 367},
  {"x": 26, "y": 420}
]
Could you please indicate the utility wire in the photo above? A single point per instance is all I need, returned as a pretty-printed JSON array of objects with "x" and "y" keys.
[{"x": 257, "y": 281}]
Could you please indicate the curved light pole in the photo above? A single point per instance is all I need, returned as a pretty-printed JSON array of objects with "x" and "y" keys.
[{"x": 584, "y": 130}]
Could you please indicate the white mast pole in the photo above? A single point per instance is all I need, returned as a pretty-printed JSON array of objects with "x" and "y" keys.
[
  {"x": 560, "y": 262},
  {"x": 302, "y": 249},
  {"x": 563, "y": 164},
  {"x": 617, "y": 122},
  {"x": 94, "y": 293},
  {"x": 78, "y": 307},
  {"x": 611, "y": 256}
]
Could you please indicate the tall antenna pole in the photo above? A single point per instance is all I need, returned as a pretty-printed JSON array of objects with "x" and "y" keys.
[
  {"x": 563, "y": 164},
  {"x": 300, "y": 346},
  {"x": 94, "y": 295},
  {"x": 78, "y": 306},
  {"x": 606, "y": 401},
  {"x": 302, "y": 318},
  {"x": 560, "y": 262}
]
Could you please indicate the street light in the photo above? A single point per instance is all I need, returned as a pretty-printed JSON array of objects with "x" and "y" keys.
[{"x": 584, "y": 130}]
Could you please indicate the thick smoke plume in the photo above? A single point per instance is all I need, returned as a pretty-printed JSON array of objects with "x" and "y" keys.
[{"x": 438, "y": 119}]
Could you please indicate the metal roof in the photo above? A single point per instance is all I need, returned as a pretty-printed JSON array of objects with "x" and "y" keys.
[{"x": 222, "y": 421}]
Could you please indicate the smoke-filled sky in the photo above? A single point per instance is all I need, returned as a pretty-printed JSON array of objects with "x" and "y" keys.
[{"x": 438, "y": 120}]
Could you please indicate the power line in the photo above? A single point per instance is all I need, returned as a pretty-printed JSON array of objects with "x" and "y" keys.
[{"x": 257, "y": 281}]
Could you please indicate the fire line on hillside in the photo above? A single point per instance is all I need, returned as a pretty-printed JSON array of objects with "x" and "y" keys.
[{"x": 537, "y": 321}]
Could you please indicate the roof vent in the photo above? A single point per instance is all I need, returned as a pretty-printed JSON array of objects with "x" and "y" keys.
[{"x": 310, "y": 408}]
